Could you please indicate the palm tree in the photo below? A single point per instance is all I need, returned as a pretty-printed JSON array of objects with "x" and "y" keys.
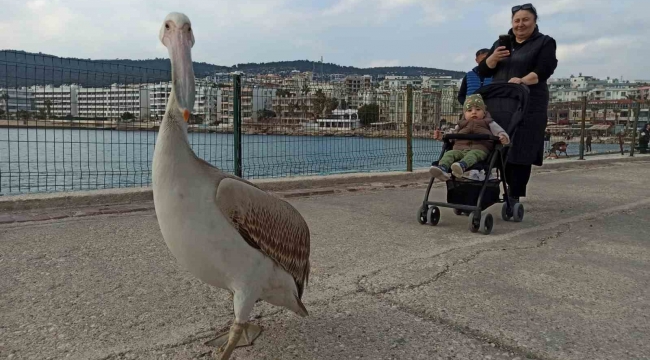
[
  {"x": 5, "y": 97},
  {"x": 48, "y": 105}
]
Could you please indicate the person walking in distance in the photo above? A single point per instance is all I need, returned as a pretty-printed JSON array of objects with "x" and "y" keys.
[{"x": 621, "y": 141}]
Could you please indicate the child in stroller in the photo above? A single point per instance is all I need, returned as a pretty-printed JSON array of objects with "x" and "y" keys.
[
  {"x": 508, "y": 104},
  {"x": 466, "y": 153}
]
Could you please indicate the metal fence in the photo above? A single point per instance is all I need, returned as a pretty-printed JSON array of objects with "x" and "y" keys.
[
  {"x": 588, "y": 126},
  {"x": 78, "y": 124}
]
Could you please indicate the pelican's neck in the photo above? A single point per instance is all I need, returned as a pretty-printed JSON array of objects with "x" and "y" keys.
[{"x": 172, "y": 144}]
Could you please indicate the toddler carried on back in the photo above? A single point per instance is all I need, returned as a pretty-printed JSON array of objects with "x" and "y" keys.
[{"x": 466, "y": 153}]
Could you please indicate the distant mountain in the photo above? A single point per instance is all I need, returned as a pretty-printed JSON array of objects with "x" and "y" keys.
[
  {"x": 279, "y": 67},
  {"x": 20, "y": 68}
]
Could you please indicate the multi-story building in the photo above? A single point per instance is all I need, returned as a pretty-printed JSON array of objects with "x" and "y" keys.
[
  {"x": 568, "y": 94},
  {"x": 398, "y": 82},
  {"x": 17, "y": 99},
  {"x": 612, "y": 93},
  {"x": 113, "y": 102},
  {"x": 356, "y": 83},
  {"x": 440, "y": 82},
  {"x": 294, "y": 108},
  {"x": 205, "y": 100},
  {"x": 158, "y": 95},
  {"x": 253, "y": 99},
  {"x": 61, "y": 100}
]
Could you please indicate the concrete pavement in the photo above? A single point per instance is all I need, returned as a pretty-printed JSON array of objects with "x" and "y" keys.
[{"x": 570, "y": 282}]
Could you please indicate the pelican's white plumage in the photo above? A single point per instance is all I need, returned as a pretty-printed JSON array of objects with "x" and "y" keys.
[{"x": 224, "y": 230}]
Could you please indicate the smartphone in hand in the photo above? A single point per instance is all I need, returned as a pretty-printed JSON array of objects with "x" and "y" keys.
[{"x": 505, "y": 40}]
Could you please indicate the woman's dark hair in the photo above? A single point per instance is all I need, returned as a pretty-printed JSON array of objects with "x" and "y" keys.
[{"x": 527, "y": 7}]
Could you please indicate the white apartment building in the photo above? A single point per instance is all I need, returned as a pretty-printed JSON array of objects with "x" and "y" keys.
[
  {"x": 19, "y": 99},
  {"x": 612, "y": 93},
  {"x": 340, "y": 120},
  {"x": 225, "y": 106},
  {"x": 205, "y": 100},
  {"x": 568, "y": 94},
  {"x": 440, "y": 82},
  {"x": 112, "y": 102},
  {"x": 62, "y": 100},
  {"x": 397, "y": 82}
]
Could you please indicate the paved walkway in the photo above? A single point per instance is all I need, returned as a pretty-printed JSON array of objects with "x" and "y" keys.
[{"x": 570, "y": 282}]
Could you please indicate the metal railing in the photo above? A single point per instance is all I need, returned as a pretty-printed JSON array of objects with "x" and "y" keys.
[
  {"x": 80, "y": 125},
  {"x": 591, "y": 127}
]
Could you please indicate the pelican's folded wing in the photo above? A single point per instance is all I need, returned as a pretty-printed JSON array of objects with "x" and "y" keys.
[{"x": 269, "y": 224}]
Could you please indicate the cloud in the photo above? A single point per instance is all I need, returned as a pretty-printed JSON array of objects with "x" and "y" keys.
[
  {"x": 595, "y": 50},
  {"x": 437, "y": 33},
  {"x": 461, "y": 58}
]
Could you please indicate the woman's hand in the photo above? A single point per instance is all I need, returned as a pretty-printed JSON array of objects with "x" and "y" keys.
[
  {"x": 499, "y": 54},
  {"x": 516, "y": 80}
]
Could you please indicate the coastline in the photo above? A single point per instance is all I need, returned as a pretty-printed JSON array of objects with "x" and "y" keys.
[{"x": 247, "y": 129}]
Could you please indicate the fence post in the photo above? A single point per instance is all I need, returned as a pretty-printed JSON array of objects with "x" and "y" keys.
[
  {"x": 236, "y": 89},
  {"x": 409, "y": 128},
  {"x": 582, "y": 128},
  {"x": 636, "y": 123}
]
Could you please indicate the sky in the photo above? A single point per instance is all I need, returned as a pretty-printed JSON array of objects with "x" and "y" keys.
[{"x": 595, "y": 37}]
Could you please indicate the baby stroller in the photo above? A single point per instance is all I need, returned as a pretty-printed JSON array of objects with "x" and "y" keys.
[{"x": 507, "y": 103}]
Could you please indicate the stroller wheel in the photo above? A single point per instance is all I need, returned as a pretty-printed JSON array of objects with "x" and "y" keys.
[
  {"x": 458, "y": 212},
  {"x": 433, "y": 215},
  {"x": 487, "y": 222},
  {"x": 506, "y": 212},
  {"x": 518, "y": 212},
  {"x": 422, "y": 215},
  {"x": 474, "y": 222}
]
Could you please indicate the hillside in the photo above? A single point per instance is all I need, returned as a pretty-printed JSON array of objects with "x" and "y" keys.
[{"x": 19, "y": 68}]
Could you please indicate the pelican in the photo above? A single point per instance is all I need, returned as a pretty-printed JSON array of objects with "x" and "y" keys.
[{"x": 224, "y": 230}]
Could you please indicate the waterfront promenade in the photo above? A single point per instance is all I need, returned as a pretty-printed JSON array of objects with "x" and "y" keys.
[{"x": 570, "y": 282}]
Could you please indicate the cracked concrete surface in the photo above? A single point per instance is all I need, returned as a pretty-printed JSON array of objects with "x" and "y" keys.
[{"x": 570, "y": 282}]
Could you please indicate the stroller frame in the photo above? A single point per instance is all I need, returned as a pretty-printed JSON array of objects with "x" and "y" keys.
[{"x": 429, "y": 211}]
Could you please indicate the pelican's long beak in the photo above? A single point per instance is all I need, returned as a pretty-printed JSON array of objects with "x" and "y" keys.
[{"x": 180, "y": 53}]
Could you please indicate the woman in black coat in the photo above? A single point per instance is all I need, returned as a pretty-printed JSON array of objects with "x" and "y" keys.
[{"x": 531, "y": 61}]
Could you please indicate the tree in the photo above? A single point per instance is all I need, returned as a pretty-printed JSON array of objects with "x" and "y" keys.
[
  {"x": 282, "y": 92},
  {"x": 41, "y": 114},
  {"x": 319, "y": 102},
  {"x": 265, "y": 114},
  {"x": 48, "y": 105},
  {"x": 368, "y": 114},
  {"x": 194, "y": 119},
  {"x": 278, "y": 109},
  {"x": 127, "y": 117},
  {"x": 5, "y": 98},
  {"x": 304, "y": 107},
  {"x": 305, "y": 89},
  {"x": 332, "y": 104},
  {"x": 23, "y": 115},
  {"x": 322, "y": 104}
]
